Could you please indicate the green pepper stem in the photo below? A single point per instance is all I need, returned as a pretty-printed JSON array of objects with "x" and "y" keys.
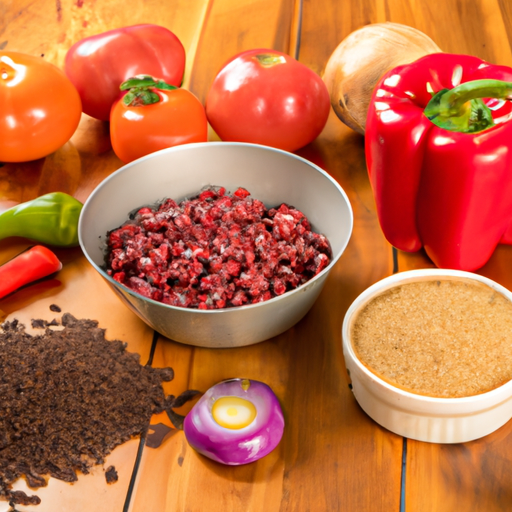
[
  {"x": 461, "y": 109},
  {"x": 454, "y": 100}
]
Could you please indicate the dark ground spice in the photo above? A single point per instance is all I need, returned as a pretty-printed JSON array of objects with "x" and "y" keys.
[
  {"x": 111, "y": 475},
  {"x": 67, "y": 398}
]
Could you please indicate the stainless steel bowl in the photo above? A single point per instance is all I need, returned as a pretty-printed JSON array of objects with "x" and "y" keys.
[{"x": 270, "y": 175}]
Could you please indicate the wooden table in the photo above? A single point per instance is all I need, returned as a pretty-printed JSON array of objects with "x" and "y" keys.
[{"x": 332, "y": 457}]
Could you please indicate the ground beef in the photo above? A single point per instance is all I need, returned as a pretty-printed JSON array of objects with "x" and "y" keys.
[
  {"x": 67, "y": 398},
  {"x": 215, "y": 250}
]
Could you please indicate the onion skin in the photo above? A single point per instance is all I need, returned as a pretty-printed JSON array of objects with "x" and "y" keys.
[
  {"x": 240, "y": 446},
  {"x": 362, "y": 58}
]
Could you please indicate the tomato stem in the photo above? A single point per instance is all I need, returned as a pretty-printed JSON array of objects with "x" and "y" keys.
[
  {"x": 141, "y": 90},
  {"x": 267, "y": 60}
]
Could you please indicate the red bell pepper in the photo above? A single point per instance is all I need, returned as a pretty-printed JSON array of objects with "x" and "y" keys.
[
  {"x": 438, "y": 146},
  {"x": 27, "y": 267}
]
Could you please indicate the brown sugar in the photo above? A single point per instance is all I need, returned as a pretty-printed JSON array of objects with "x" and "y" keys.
[{"x": 442, "y": 338}]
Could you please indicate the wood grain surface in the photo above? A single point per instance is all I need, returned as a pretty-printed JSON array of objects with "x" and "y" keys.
[{"x": 332, "y": 457}]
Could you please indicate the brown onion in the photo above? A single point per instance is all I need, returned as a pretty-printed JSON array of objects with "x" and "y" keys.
[{"x": 360, "y": 60}]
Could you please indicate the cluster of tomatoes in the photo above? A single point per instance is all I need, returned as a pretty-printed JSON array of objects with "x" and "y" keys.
[{"x": 132, "y": 77}]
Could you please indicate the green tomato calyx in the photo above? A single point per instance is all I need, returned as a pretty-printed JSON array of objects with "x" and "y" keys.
[
  {"x": 141, "y": 90},
  {"x": 267, "y": 60}
]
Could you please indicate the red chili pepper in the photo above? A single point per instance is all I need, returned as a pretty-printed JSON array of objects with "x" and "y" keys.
[
  {"x": 438, "y": 147},
  {"x": 31, "y": 265}
]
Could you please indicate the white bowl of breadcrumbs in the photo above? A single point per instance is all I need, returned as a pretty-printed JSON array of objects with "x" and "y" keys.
[{"x": 429, "y": 354}]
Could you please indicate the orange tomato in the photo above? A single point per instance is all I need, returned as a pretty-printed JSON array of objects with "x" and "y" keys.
[
  {"x": 40, "y": 107},
  {"x": 176, "y": 117}
]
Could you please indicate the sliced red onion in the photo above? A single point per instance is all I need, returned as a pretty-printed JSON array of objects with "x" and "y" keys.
[{"x": 223, "y": 427}]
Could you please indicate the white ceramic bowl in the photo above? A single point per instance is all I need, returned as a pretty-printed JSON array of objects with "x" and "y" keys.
[
  {"x": 437, "y": 420},
  {"x": 270, "y": 175}
]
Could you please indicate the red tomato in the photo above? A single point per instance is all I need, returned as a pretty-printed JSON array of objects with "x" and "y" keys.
[
  {"x": 177, "y": 117},
  {"x": 267, "y": 97},
  {"x": 99, "y": 64},
  {"x": 40, "y": 108}
]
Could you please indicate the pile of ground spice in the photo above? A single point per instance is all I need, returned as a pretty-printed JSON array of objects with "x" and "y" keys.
[{"x": 67, "y": 397}]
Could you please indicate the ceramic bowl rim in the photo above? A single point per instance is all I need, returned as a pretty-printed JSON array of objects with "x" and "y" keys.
[{"x": 495, "y": 395}]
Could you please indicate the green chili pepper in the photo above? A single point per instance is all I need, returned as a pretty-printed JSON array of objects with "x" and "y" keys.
[{"x": 50, "y": 219}]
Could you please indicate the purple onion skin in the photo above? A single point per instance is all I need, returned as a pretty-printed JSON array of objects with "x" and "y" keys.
[{"x": 236, "y": 446}]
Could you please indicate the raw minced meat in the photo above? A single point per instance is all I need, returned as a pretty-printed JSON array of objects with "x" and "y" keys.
[{"x": 215, "y": 250}]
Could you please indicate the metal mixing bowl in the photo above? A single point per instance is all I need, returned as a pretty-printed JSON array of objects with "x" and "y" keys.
[{"x": 270, "y": 175}]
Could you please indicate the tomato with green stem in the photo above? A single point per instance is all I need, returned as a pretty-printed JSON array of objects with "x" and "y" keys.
[
  {"x": 154, "y": 115},
  {"x": 267, "y": 97},
  {"x": 40, "y": 108}
]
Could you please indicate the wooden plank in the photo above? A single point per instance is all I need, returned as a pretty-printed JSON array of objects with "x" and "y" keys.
[
  {"x": 372, "y": 449},
  {"x": 305, "y": 368},
  {"x": 48, "y": 28},
  {"x": 470, "y": 476},
  {"x": 79, "y": 290},
  {"x": 332, "y": 457},
  {"x": 90, "y": 491},
  {"x": 231, "y": 27}
]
